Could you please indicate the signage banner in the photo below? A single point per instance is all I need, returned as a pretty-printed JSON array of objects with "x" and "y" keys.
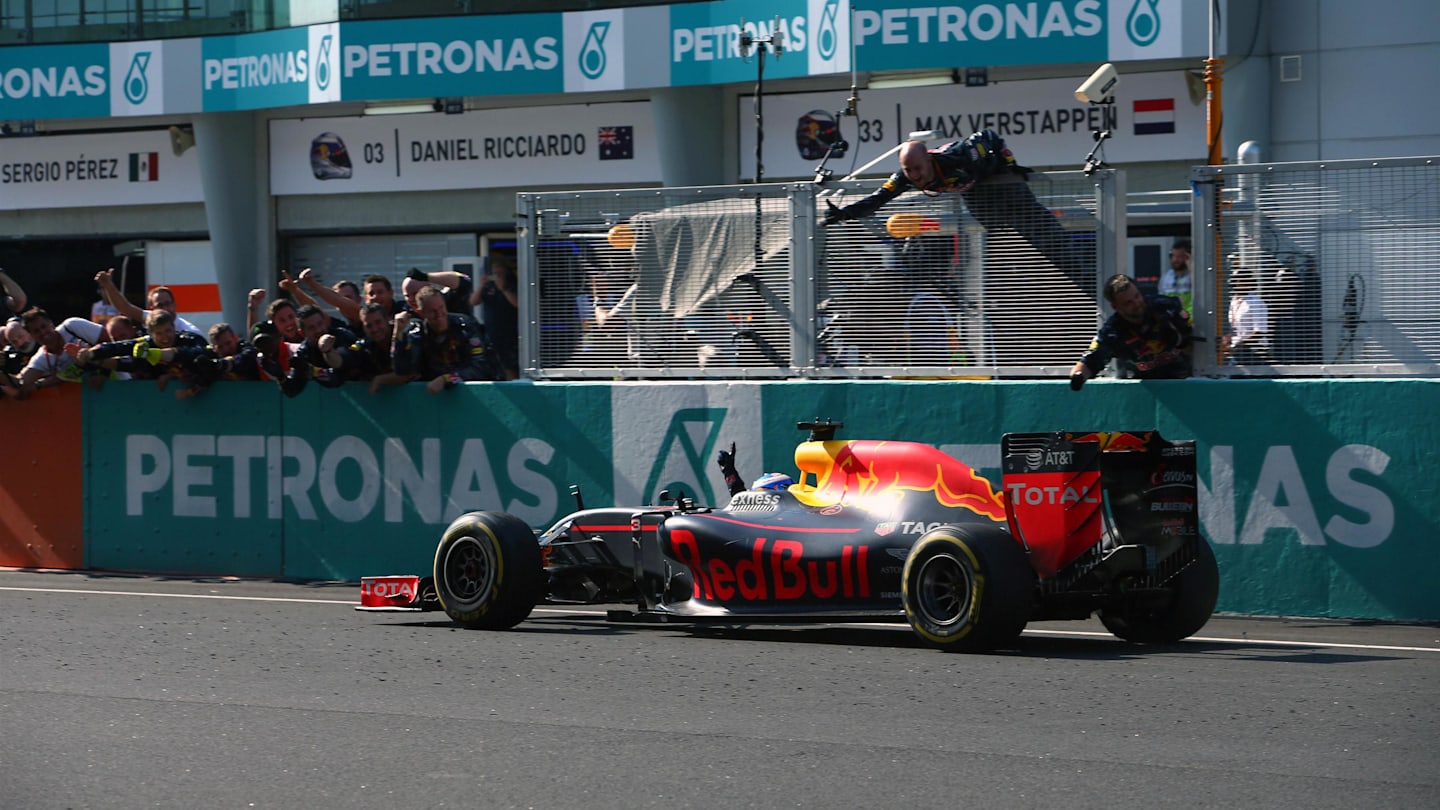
[
  {"x": 55, "y": 81},
  {"x": 78, "y": 171},
  {"x": 1152, "y": 119},
  {"x": 139, "y": 68},
  {"x": 525, "y": 146},
  {"x": 488, "y": 55},
  {"x": 253, "y": 71},
  {"x": 1314, "y": 507},
  {"x": 918, "y": 35},
  {"x": 680, "y": 45},
  {"x": 705, "y": 40}
]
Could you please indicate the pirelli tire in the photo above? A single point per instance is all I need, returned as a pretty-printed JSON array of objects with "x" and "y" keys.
[
  {"x": 967, "y": 588},
  {"x": 488, "y": 571},
  {"x": 1192, "y": 601}
]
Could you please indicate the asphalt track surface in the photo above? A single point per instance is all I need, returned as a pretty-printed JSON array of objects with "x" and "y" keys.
[{"x": 124, "y": 691}]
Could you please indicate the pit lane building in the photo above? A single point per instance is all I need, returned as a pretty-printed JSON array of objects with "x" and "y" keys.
[{"x": 375, "y": 136}]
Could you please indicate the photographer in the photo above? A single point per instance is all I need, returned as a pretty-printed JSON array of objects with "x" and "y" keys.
[{"x": 499, "y": 308}]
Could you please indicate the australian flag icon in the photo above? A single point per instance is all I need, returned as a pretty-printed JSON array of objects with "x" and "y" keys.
[{"x": 616, "y": 143}]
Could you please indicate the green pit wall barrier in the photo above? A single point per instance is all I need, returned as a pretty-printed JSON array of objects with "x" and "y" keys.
[{"x": 1319, "y": 496}]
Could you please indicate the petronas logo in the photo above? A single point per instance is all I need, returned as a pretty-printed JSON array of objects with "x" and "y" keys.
[
  {"x": 137, "y": 85},
  {"x": 826, "y": 37},
  {"x": 322, "y": 62},
  {"x": 592, "y": 54},
  {"x": 1143, "y": 24}
]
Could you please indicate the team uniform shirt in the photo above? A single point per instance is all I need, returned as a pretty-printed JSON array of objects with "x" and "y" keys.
[
  {"x": 77, "y": 331},
  {"x": 459, "y": 350},
  {"x": 368, "y": 359},
  {"x": 189, "y": 347},
  {"x": 1156, "y": 348},
  {"x": 958, "y": 167}
]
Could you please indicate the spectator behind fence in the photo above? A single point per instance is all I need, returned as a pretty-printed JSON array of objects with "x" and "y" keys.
[
  {"x": 371, "y": 352},
  {"x": 379, "y": 290},
  {"x": 1149, "y": 338},
  {"x": 156, "y": 298},
  {"x": 121, "y": 327},
  {"x": 279, "y": 314},
  {"x": 52, "y": 363},
  {"x": 1175, "y": 281},
  {"x": 321, "y": 356},
  {"x": 500, "y": 314},
  {"x": 12, "y": 298},
  {"x": 1248, "y": 343},
  {"x": 12, "y": 360},
  {"x": 454, "y": 286},
  {"x": 441, "y": 347},
  {"x": 984, "y": 172},
  {"x": 162, "y": 354},
  {"x": 307, "y": 289}
]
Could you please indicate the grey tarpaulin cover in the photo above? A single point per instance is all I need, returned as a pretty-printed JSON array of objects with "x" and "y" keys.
[{"x": 688, "y": 254}]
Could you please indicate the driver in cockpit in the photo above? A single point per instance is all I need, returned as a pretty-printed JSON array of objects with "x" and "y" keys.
[{"x": 773, "y": 480}]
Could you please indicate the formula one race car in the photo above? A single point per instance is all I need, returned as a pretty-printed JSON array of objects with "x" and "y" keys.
[{"x": 873, "y": 530}]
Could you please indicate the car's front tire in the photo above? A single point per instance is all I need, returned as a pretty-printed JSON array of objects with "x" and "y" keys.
[
  {"x": 967, "y": 588},
  {"x": 488, "y": 571}
]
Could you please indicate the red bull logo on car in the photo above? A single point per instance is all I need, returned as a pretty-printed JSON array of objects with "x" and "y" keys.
[
  {"x": 878, "y": 473},
  {"x": 776, "y": 569}
]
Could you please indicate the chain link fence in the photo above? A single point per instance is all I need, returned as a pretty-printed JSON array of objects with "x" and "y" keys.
[
  {"x": 1322, "y": 268},
  {"x": 742, "y": 282}
]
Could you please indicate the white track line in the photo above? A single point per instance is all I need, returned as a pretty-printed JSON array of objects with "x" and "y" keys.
[{"x": 601, "y": 614}]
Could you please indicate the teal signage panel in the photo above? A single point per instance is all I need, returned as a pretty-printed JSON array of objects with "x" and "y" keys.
[
  {"x": 705, "y": 39},
  {"x": 253, "y": 71},
  {"x": 55, "y": 81},
  {"x": 1319, "y": 496},
  {"x": 333, "y": 484},
  {"x": 489, "y": 55},
  {"x": 184, "y": 487},
  {"x": 914, "y": 34}
]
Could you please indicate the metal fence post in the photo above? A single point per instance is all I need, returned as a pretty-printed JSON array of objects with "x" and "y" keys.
[
  {"x": 528, "y": 276},
  {"x": 1111, "y": 256},
  {"x": 802, "y": 278},
  {"x": 1204, "y": 229}
]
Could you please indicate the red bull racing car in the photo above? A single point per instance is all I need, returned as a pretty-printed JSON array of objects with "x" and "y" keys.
[{"x": 1084, "y": 523}]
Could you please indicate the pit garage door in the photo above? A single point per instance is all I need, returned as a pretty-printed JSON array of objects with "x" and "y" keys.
[{"x": 355, "y": 257}]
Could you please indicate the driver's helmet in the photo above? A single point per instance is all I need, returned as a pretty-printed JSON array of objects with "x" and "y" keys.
[
  {"x": 328, "y": 157},
  {"x": 774, "y": 480},
  {"x": 814, "y": 133}
]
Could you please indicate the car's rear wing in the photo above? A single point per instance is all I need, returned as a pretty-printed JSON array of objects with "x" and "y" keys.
[{"x": 1066, "y": 492}]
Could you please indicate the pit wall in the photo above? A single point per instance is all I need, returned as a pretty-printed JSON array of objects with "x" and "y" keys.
[{"x": 1319, "y": 496}]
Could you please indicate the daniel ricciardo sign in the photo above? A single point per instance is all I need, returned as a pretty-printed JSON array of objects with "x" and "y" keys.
[{"x": 528, "y": 146}]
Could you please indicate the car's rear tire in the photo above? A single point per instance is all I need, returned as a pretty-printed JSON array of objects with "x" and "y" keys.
[
  {"x": 1193, "y": 594},
  {"x": 488, "y": 571},
  {"x": 967, "y": 588}
]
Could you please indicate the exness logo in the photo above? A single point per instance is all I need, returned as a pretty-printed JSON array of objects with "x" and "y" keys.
[
  {"x": 592, "y": 53},
  {"x": 137, "y": 85}
]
